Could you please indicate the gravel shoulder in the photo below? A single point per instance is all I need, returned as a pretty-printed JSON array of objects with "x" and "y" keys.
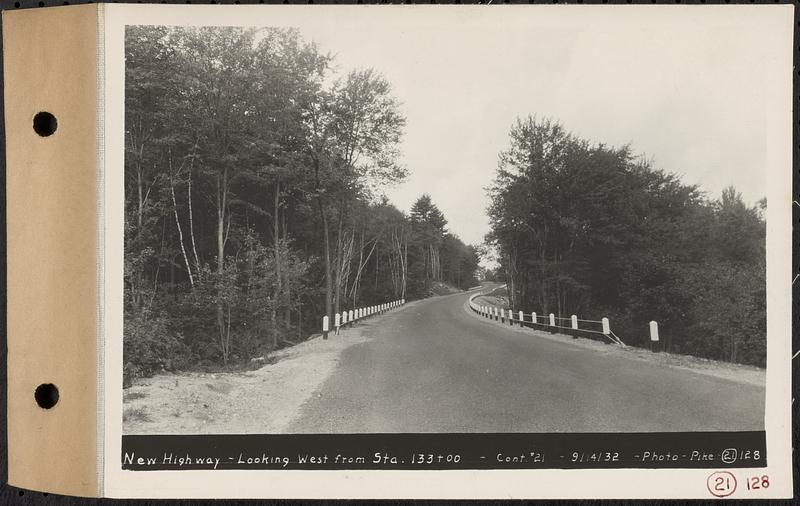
[
  {"x": 739, "y": 373},
  {"x": 260, "y": 401}
]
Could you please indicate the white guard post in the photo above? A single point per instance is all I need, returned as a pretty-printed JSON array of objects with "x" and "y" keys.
[
  {"x": 337, "y": 322},
  {"x": 654, "y": 331},
  {"x": 574, "y": 322},
  {"x": 533, "y": 318},
  {"x": 521, "y": 318},
  {"x": 552, "y": 320},
  {"x": 606, "y": 327},
  {"x": 325, "y": 327}
]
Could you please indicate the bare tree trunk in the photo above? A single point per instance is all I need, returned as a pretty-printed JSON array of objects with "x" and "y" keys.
[
  {"x": 172, "y": 279},
  {"x": 287, "y": 312},
  {"x": 345, "y": 261},
  {"x": 299, "y": 321},
  {"x": 276, "y": 246},
  {"x": 287, "y": 298},
  {"x": 377, "y": 263},
  {"x": 405, "y": 267},
  {"x": 221, "y": 204},
  {"x": 362, "y": 263},
  {"x": 338, "y": 268},
  {"x": 191, "y": 226},
  {"x": 140, "y": 209},
  {"x": 327, "y": 254},
  {"x": 180, "y": 233},
  {"x": 357, "y": 281}
]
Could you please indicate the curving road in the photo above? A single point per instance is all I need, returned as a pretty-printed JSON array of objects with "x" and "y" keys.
[{"x": 433, "y": 367}]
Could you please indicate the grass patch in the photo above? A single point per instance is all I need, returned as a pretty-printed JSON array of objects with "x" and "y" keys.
[
  {"x": 500, "y": 291},
  {"x": 135, "y": 415},
  {"x": 132, "y": 396}
]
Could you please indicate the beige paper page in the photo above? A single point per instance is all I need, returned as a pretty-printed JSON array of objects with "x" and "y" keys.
[{"x": 51, "y": 64}]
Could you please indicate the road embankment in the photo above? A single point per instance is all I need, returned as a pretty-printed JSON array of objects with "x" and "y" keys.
[
  {"x": 260, "y": 401},
  {"x": 739, "y": 373}
]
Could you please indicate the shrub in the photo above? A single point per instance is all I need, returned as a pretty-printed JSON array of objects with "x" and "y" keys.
[{"x": 149, "y": 347}]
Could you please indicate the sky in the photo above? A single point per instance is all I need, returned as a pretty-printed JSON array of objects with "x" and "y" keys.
[{"x": 687, "y": 87}]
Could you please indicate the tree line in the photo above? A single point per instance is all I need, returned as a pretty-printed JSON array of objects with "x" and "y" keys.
[
  {"x": 589, "y": 229},
  {"x": 253, "y": 197}
]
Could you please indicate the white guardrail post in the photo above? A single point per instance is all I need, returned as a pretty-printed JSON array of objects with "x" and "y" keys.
[
  {"x": 500, "y": 314},
  {"x": 337, "y": 321},
  {"x": 654, "y": 335},
  {"x": 325, "y": 327}
]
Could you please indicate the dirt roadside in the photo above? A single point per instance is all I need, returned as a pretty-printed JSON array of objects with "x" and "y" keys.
[
  {"x": 261, "y": 401},
  {"x": 734, "y": 372}
]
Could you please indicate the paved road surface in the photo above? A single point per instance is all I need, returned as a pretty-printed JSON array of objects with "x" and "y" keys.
[{"x": 432, "y": 367}]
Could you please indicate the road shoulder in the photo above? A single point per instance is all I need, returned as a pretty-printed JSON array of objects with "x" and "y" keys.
[
  {"x": 260, "y": 401},
  {"x": 738, "y": 373}
]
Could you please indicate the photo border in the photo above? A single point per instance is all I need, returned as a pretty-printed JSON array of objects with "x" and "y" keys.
[{"x": 429, "y": 484}]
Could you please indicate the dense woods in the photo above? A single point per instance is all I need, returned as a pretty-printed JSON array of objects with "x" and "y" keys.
[
  {"x": 254, "y": 205},
  {"x": 252, "y": 197},
  {"x": 593, "y": 230}
]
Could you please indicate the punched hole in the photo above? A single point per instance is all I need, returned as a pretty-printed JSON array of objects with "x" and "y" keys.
[
  {"x": 46, "y": 395},
  {"x": 44, "y": 124}
]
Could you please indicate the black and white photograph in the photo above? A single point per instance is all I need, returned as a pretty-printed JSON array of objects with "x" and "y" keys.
[{"x": 461, "y": 228}]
